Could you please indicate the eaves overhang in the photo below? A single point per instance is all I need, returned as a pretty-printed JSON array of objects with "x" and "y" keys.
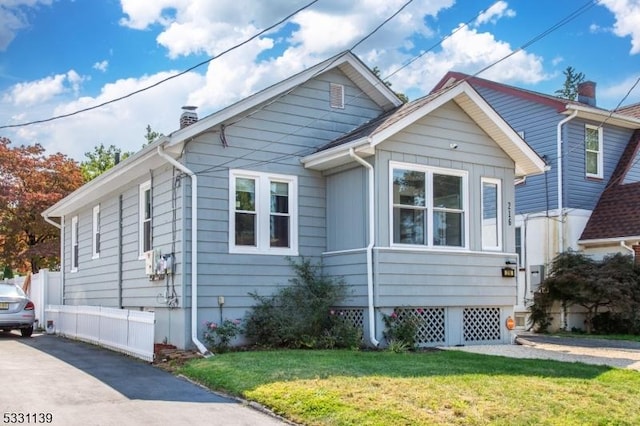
[
  {"x": 113, "y": 180},
  {"x": 602, "y": 116},
  {"x": 608, "y": 241},
  {"x": 527, "y": 162},
  {"x": 346, "y": 62}
]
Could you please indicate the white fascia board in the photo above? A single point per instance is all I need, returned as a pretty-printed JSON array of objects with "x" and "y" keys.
[
  {"x": 603, "y": 116},
  {"x": 123, "y": 173},
  {"x": 608, "y": 241},
  {"x": 518, "y": 149},
  {"x": 253, "y": 101},
  {"x": 340, "y": 154}
]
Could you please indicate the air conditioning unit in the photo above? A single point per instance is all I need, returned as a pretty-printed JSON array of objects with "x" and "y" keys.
[{"x": 150, "y": 262}]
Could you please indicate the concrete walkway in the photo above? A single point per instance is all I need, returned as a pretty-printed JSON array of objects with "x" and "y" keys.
[
  {"x": 620, "y": 354},
  {"x": 81, "y": 384}
]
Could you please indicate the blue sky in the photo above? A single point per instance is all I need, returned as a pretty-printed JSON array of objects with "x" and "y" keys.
[{"x": 59, "y": 56}]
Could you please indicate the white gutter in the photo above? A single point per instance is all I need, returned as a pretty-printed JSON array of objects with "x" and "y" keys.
[
  {"x": 194, "y": 249},
  {"x": 372, "y": 230},
  {"x": 559, "y": 156}
]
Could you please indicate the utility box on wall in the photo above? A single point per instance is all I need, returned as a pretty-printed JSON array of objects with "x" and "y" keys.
[{"x": 536, "y": 276}]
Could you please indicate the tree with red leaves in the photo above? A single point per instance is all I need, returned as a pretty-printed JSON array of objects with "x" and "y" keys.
[{"x": 30, "y": 182}]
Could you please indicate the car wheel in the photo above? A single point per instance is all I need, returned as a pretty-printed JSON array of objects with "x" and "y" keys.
[{"x": 26, "y": 332}]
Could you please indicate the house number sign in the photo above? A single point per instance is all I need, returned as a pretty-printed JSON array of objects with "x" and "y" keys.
[{"x": 509, "y": 213}]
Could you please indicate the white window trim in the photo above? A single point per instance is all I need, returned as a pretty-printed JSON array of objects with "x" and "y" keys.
[
  {"x": 96, "y": 232},
  {"x": 145, "y": 186},
  {"x": 74, "y": 244},
  {"x": 263, "y": 213},
  {"x": 498, "y": 183},
  {"x": 600, "y": 152},
  {"x": 430, "y": 171}
]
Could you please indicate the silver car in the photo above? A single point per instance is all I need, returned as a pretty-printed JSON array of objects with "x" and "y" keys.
[{"x": 17, "y": 312}]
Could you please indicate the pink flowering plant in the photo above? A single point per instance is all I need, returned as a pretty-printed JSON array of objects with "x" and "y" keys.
[
  {"x": 218, "y": 336},
  {"x": 400, "y": 330}
]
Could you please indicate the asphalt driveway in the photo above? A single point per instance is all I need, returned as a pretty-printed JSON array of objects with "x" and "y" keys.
[{"x": 74, "y": 383}]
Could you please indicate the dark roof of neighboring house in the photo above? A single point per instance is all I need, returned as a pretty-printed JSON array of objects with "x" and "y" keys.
[
  {"x": 617, "y": 214},
  {"x": 381, "y": 122},
  {"x": 560, "y": 104},
  {"x": 632, "y": 110}
]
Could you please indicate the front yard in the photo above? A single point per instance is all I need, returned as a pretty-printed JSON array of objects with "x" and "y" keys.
[{"x": 331, "y": 387}]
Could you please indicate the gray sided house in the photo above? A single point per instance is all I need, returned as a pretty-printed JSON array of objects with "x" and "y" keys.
[
  {"x": 413, "y": 205},
  {"x": 587, "y": 149}
]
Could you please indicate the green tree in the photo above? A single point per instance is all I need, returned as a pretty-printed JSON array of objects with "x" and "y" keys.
[
  {"x": 576, "y": 279},
  {"x": 569, "y": 89},
  {"x": 151, "y": 135},
  {"x": 401, "y": 96},
  {"x": 100, "y": 160}
]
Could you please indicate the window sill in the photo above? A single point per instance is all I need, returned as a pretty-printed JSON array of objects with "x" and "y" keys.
[{"x": 256, "y": 251}]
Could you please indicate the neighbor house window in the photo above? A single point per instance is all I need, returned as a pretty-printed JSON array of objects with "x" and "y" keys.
[
  {"x": 491, "y": 214},
  {"x": 519, "y": 246},
  {"x": 74, "y": 244},
  {"x": 145, "y": 212},
  {"x": 263, "y": 213},
  {"x": 428, "y": 206},
  {"x": 593, "y": 151},
  {"x": 96, "y": 231}
]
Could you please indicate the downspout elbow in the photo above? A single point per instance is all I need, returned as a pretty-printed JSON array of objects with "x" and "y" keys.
[
  {"x": 372, "y": 317},
  {"x": 194, "y": 248},
  {"x": 52, "y": 222}
]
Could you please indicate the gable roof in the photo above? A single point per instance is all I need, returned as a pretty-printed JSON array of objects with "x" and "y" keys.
[
  {"x": 139, "y": 164},
  {"x": 619, "y": 117},
  {"x": 365, "y": 138},
  {"x": 616, "y": 217}
]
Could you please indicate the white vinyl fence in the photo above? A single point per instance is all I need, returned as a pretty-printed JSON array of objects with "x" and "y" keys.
[
  {"x": 45, "y": 289},
  {"x": 129, "y": 332}
]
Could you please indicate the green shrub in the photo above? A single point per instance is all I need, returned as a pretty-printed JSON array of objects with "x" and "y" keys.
[
  {"x": 299, "y": 315},
  {"x": 218, "y": 336},
  {"x": 400, "y": 330}
]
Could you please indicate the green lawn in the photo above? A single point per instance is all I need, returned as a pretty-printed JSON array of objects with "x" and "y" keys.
[{"x": 430, "y": 388}]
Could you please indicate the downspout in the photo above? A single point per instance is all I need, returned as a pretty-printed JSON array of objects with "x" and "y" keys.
[
  {"x": 560, "y": 205},
  {"x": 372, "y": 311},
  {"x": 194, "y": 248},
  {"x": 626, "y": 246}
]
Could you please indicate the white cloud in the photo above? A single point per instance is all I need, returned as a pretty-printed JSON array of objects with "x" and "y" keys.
[
  {"x": 498, "y": 10},
  {"x": 611, "y": 95},
  {"x": 13, "y": 18},
  {"x": 470, "y": 51},
  {"x": 101, "y": 66},
  {"x": 31, "y": 93},
  {"x": 627, "y": 15},
  {"x": 122, "y": 123}
]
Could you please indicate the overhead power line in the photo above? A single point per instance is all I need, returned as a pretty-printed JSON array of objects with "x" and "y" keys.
[{"x": 164, "y": 80}]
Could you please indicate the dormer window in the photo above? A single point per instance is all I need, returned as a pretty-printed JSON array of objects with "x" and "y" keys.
[{"x": 337, "y": 95}]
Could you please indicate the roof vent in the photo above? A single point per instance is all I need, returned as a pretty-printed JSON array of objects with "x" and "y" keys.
[
  {"x": 188, "y": 116},
  {"x": 587, "y": 93}
]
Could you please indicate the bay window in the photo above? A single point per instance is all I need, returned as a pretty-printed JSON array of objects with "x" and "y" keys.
[{"x": 429, "y": 206}]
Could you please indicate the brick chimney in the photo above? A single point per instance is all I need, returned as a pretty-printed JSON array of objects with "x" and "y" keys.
[
  {"x": 188, "y": 116},
  {"x": 636, "y": 253},
  {"x": 587, "y": 93}
]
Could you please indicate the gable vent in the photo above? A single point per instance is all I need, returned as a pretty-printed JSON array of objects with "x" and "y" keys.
[{"x": 337, "y": 95}]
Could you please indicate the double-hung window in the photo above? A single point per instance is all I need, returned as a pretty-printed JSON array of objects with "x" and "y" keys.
[
  {"x": 491, "y": 214},
  {"x": 74, "y": 244},
  {"x": 593, "y": 151},
  {"x": 96, "y": 231},
  {"x": 145, "y": 215},
  {"x": 429, "y": 206},
  {"x": 263, "y": 213}
]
